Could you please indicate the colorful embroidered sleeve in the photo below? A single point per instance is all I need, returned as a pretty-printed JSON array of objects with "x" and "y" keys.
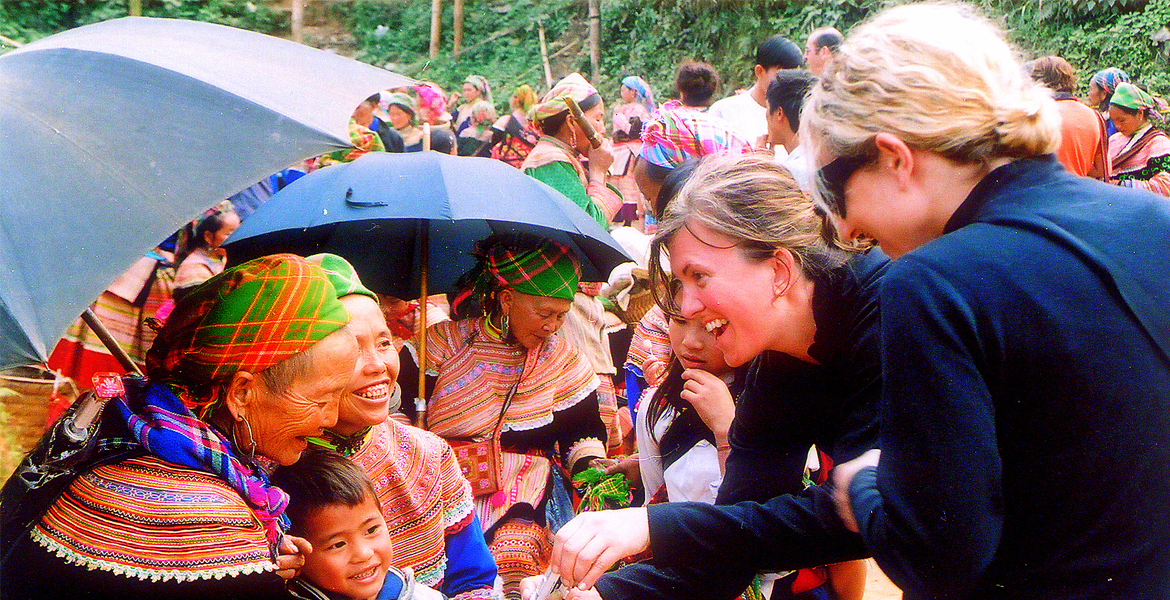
[
  {"x": 562, "y": 177},
  {"x": 1155, "y": 177},
  {"x": 443, "y": 341}
]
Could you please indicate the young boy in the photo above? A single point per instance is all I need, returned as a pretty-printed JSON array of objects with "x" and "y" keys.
[{"x": 332, "y": 504}]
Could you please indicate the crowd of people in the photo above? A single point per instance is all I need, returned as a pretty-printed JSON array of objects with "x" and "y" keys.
[{"x": 907, "y": 305}]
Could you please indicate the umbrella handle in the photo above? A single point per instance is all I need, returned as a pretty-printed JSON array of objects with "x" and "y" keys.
[
  {"x": 109, "y": 342},
  {"x": 420, "y": 415}
]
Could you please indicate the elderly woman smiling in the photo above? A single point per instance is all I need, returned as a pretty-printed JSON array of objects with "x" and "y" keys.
[{"x": 172, "y": 503}]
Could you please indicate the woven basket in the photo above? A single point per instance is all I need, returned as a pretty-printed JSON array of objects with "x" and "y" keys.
[
  {"x": 24, "y": 399},
  {"x": 641, "y": 300}
]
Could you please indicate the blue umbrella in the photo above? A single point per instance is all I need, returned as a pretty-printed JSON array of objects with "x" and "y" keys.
[
  {"x": 115, "y": 134},
  {"x": 396, "y": 217}
]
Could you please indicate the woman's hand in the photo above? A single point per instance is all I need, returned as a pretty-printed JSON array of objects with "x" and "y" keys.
[
  {"x": 843, "y": 475},
  {"x": 711, "y": 399},
  {"x": 529, "y": 585},
  {"x": 600, "y": 159},
  {"x": 592, "y": 542},
  {"x": 602, "y": 463},
  {"x": 292, "y": 556},
  {"x": 631, "y": 467}
]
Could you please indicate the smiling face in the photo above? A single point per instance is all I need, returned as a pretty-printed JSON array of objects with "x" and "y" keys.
[
  {"x": 725, "y": 292},
  {"x": 351, "y": 549},
  {"x": 367, "y": 402},
  {"x": 399, "y": 118},
  {"x": 280, "y": 420},
  {"x": 694, "y": 346},
  {"x": 532, "y": 320}
]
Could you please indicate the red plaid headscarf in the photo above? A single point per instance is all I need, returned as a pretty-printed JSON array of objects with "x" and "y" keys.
[
  {"x": 540, "y": 268},
  {"x": 248, "y": 318}
]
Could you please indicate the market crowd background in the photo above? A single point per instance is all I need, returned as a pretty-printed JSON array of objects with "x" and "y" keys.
[{"x": 645, "y": 37}]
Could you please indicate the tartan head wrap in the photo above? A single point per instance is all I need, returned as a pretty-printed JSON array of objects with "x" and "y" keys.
[
  {"x": 538, "y": 267},
  {"x": 341, "y": 275},
  {"x": 673, "y": 136},
  {"x": 401, "y": 100},
  {"x": 480, "y": 83},
  {"x": 1132, "y": 97},
  {"x": 1109, "y": 79},
  {"x": 572, "y": 86},
  {"x": 248, "y": 318}
]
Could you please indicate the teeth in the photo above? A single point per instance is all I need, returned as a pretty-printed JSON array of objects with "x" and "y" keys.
[
  {"x": 374, "y": 392},
  {"x": 716, "y": 324},
  {"x": 365, "y": 574}
]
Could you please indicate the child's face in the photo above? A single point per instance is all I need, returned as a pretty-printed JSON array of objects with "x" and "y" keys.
[
  {"x": 351, "y": 549},
  {"x": 694, "y": 346}
]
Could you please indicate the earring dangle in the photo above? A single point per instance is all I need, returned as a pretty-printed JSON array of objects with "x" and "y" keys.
[
  {"x": 251, "y": 440},
  {"x": 504, "y": 324}
]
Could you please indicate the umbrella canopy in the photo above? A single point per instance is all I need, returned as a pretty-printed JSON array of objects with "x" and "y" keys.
[
  {"x": 115, "y": 134},
  {"x": 390, "y": 214}
]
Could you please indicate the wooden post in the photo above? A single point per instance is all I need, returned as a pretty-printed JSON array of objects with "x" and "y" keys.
[
  {"x": 436, "y": 25},
  {"x": 544, "y": 57},
  {"x": 135, "y": 8},
  {"x": 457, "y": 16},
  {"x": 420, "y": 406},
  {"x": 297, "y": 21},
  {"x": 595, "y": 37}
]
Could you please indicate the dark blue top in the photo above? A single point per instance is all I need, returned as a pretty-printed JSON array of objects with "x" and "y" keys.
[
  {"x": 1026, "y": 411},
  {"x": 787, "y": 406}
]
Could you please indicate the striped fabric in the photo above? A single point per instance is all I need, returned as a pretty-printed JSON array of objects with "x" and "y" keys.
[
  {"x": 152, "y": 520},
  {"x": 650, "y": 341},
  {"x": 676, "y": 135},
  {"x": 422, "y": 491},
  {"x": 470, "y": 391}
]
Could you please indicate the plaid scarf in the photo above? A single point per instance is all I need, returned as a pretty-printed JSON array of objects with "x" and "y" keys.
[
  {"x": 572, "y": 86},
  {"x": 160, "y": 423},
  {"x": 676, "y": 135},
  {"x": 248, "y": 318},
  {"x": 546, "y": 269},
  {"x": 600, "y": 491},
  {"x": 341, "y": 275},
  {"x": 480, "y": 83}
]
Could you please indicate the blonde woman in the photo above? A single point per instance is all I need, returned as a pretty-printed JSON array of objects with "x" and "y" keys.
[
  {"x": 1021, "y": 458},
  {"x": 755, "y": 268}
]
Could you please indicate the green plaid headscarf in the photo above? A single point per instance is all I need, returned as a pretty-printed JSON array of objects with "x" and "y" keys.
[
  {"x": 541, "y": 268},
  {"x": 248, "y": 318},
  {"x": 403, "y": 101},
  {"x": 341, "y": 275},
  {"x": 1132, "y": 97}
]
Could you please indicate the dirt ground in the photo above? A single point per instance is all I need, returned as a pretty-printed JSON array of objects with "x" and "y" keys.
[{"x": 878, "y": 586}]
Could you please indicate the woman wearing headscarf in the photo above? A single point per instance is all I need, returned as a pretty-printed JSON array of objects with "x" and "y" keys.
[
  {"x": 629, "y": 118},
  {"x": 170, "y": 500},
  {"x": 513, "y": 136},
  {"x": 1140, "y": 152},
  {"x": 507, "y": 372},
  {"x": 557, "y": 157},
  {"x": 424, "y": 497},
  {"x": 361, "y": 136},
  {"x": 1101, "y": 88},
  {"x": 473, "y": 120},
  {"x": 432, "y": 105},
  {"x": 401, "y": 110},
  {"x": 198, "y": 251}
]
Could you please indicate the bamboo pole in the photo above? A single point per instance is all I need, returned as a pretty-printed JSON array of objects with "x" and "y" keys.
[
  {"x": 109, "y": 342},
  {"x": 595, "y": 37},
  {"x": 436, "y": 25},
  {"x": 420, "y": 405},
  {"x": 458, "y": 31},
  {"x": 544, "y": 56},
  {"x": 135, "y": 8},
  {"x": 297, "y": 21}
]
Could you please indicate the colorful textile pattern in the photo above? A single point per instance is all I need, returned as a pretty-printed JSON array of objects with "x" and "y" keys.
[
  {"x": 160, "y": 422},
  {"x": 642, "y": 93},
  {"x": 572, "y": 86},
  {"x": 423, "y": 494},
  {"x": 1142, "y": 161},
  {"x": 475, "y": 120},
  {"x": 474, "y": 379},
  {"x": 401, "y": 100},
  {"x": 601, "y": 491},
  {"x": 364, "y": 140},
  {"x": 249, "y": 318},
  {"x": 432, "y": 103},
  {"x": 148, "y": 519},
  {"x": 480, "y": 83},
  {"x": 1133, "y": 97},
  {"x": 525, "y": 97},
  {"x": 341, "y": 275},
  {"x": 676, "y": 135},
  {"x": 1109, "y": 79},
  {"x": 549, "y": 270},
  {"x": 185, "y": 278},
  {"x": 650, "y": 340},
  {"x": 522, "y": 549}
]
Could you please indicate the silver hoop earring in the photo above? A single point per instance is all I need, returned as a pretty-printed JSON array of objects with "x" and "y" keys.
[{"x": 251, "y": 440}]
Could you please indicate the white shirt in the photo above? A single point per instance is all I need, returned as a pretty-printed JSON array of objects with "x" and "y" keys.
[{"x": 747, "y": 118}]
